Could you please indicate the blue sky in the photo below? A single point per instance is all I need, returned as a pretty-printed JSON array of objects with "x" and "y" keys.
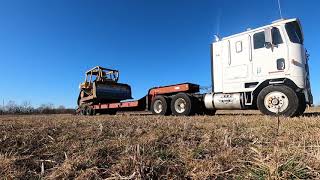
[{"x": 46, "y": 45}]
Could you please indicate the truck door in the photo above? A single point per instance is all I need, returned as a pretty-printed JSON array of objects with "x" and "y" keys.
[
  {"x": 269, "y": 61},
  {"x": 237, "y": 65}
]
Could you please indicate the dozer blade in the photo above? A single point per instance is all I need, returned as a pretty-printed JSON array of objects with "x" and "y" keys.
[
  {"x": 106, "y": 93},
  {"x": 114, "y": 92}
]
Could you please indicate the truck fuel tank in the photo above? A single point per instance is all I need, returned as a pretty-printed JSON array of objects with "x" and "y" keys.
[{"x": 224, "y": 101}]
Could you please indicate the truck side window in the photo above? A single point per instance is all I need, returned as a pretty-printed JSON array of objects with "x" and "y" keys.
[
  {"x": 276, "y": 36},
  {"x": 258, "y": 40},
  {"x": 238, "y": 46}
]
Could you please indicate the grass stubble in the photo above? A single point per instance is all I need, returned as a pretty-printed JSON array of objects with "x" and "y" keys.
[{"x": 129, "y": 146}]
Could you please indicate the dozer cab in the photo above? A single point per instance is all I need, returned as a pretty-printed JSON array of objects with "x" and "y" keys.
[{"x": 101, "y": 86}]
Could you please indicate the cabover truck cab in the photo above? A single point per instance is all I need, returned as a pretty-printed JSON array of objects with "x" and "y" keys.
[{"x": 264, "y": 68}]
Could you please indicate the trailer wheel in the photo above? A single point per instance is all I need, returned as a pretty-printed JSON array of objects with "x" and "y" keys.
[
  {"x": 182, "y": 105},
  {"x": 90, "y": 111},
  {"x": 83, "y": 111},
  {"x": 281, "y": 100},
  {"x": 160, "y": 105}
]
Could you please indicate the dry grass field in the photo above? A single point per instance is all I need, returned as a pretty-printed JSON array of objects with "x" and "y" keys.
[{"x": 236, "y": 145}]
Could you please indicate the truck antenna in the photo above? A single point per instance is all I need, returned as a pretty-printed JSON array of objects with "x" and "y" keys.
[
  {"x": 279, "y": 8},
  {"x": 218, "y": 23}
]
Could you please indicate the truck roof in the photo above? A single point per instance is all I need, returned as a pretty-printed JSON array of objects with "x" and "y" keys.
[{"x": 277, "y": 22}]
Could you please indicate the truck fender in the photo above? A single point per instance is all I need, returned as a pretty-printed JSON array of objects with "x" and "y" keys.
[{"x": 275, "y": 82}]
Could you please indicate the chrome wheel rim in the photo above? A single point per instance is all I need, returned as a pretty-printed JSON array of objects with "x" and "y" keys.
[
  {"x": 158, "y": 106},
  {"x": 180, "y": 105},
  {"x": 276, "y": 102}
]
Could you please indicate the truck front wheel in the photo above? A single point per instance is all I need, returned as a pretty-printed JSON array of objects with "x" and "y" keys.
[
  {"x": 160, "y": 105},
  {"x": 278, "y": 100},
  {"x": 302, "y": 105}
]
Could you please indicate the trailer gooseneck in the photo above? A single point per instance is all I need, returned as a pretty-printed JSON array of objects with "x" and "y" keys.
[{"x": 265, "y": 68}]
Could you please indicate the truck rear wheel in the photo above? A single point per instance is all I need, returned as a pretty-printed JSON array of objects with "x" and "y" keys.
[
  {"x": 182, "y": 105},
  {"x": 278, "y": 100},
  {"x": 160, "y": 105}
]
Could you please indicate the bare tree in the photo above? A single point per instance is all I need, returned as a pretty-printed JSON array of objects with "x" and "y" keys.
[
  {"x": 61, "y": 107},
  {"x": 26, "y": 107},
  {"x": 12, "y": 107},
  {"x": 46, "y": 108},
  {"x": 1, "y": 110}
]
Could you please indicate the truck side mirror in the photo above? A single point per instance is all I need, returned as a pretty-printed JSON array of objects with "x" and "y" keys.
[{"x": 268, "y": 37}]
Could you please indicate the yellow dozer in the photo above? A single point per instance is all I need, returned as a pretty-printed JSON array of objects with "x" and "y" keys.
[{"x": 101, "y": 86}]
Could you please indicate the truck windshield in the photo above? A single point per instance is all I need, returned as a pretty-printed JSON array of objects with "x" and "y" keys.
[{"x": 294, "y": 32}]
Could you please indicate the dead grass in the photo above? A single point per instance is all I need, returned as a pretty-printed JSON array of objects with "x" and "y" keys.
[{"x": 236, "y": 145}]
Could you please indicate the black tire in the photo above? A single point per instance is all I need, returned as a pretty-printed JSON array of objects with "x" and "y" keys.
[
  {"x": 188, "y": 105},
  {"x": 90, "y": 111},
  {"x": 160, "y": 105},
  {"x": 83, "y": 111},
  {"x": 302, "y": 105},
  {"x": 289, "y": 97}
]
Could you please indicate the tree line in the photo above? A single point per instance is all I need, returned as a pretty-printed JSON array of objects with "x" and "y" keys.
[{"x": 26, "y": 108}]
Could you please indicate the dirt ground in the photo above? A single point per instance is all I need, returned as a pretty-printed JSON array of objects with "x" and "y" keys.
[{"x": 229, "y": 145}]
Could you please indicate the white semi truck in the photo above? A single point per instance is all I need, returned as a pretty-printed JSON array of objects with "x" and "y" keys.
[{"x": 264, "y": 68}]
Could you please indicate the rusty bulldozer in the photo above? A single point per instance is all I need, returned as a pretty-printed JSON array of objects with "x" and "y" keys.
[{"x": 101, "y": 86}]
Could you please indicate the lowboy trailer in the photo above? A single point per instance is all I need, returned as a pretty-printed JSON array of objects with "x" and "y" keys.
[
  {"x": 157, "y": 100},
  {"x": 264, "y": 68}
]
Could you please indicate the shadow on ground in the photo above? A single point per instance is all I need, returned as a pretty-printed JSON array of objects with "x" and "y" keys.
[{"x": 311, "y": 114}]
